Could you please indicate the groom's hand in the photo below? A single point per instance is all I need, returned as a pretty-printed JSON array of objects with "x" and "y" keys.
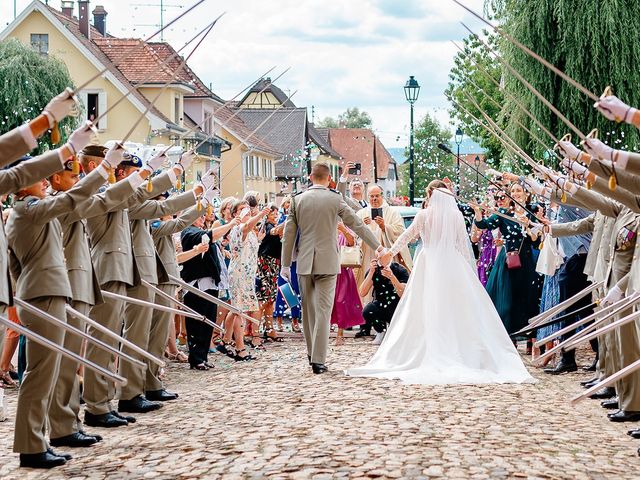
[{"x": 285, "y": 273}]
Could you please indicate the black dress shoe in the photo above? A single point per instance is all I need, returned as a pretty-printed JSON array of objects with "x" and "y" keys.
[
  {"x": 362, "y": 334},
  {"x": 634, "y": 433},
  {"x": 138, "y": 404},
  {"x": 587, "y": 382},
  {"x": 75, "y": 440},
  {"x": 603, "y": 393},
  {"x": 610, "y": 404},
  {"x": 41, "y": 460},
  {"x": 624, "y": 416},
  {"x": 94, "y": 435},
  {"x": 128, "y": 418},
  {"x": 591, "y": 384},
  {"x": 562, "y": 367},
  {"x": 106, "y": 420},
  {"x": 319, "y": 368},
  {"x": 66, "y": 456},
  {"x": 160, "y": 395},
  {"x": 592, "y": 367}
]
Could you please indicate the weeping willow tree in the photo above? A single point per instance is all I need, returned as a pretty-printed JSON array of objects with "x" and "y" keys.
[
  {"x": 476, "y": 75},
  {"x": 593, "y": 41},
  {"x": 28, "y": 80}
]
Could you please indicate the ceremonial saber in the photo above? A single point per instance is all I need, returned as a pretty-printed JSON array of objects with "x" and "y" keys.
[
  {"x": 181, "y": 305},
  {"x": 172, "y": 77},
  {"x": 45, "y": 342},
  {"x": 75, "y": 313},
  {"x": 70, "y": 328},
  {"x": 533, "y": 321},
  {"x": 509, "y": 94},
  {"x": 488, "y": 209},
  {"x": 213, "y": 299},
  {"x": 580, "y": 334},
  {"x": 158, "y": 68},
  {"x": 138, "y": 47},
  {"x": 530, "y": 87},
  {"x": 603, "y": 313},
  {"x": 143, "y": 303},
  {"x": 606, "y": 329},
  {"x": 559, "y": 319},
  {"x": 629, "y": 369},
  {"x": 532, "y": 54}
]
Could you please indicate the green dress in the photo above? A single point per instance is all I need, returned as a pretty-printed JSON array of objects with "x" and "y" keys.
[{"x": 514, "y": 292}]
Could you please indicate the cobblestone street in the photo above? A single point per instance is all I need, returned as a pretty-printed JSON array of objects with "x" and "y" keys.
[{"x": 274, "y": 419}]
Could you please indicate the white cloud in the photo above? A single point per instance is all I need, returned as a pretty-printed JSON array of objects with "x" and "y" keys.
[{"x": 342, "y": 54}]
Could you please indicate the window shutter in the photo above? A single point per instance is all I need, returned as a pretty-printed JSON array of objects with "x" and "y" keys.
[
  {"x": 85, "y": 102},
  {"x": 102, "y": 107}
]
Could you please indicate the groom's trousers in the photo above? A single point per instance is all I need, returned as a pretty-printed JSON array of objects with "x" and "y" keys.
[{"x": 317, "y": 292}]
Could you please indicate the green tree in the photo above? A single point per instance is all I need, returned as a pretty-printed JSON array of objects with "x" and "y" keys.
[
  {"x": 351, "y": 118},
  {"x": 430, "y": 162},
  {"x": 28, "y": 80},
  {"x": 590, "y": 42},
  {"x": 476, "y": 75}
]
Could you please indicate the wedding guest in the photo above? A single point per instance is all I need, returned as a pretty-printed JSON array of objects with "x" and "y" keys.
[
  {"x": 347, "y": 308},
  {"x": 281, "y": 306},
  {"x": 355, "y": 199},
  {"x": 223, "y": 218},
  {"x": 386, "y": 228},
  {"x": 387, "y": 284},
  {"x": 268, "y": 271},
  {"x": 511, "y": 289}
]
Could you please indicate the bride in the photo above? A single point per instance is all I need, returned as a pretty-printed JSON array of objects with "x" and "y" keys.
[{"x": 445, "y": 329}]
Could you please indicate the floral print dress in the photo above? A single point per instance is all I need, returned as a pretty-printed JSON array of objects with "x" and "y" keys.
[{"x": 242, "y": 269}]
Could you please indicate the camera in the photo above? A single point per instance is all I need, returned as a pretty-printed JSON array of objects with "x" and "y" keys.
[{"x": 356, "y": 169}]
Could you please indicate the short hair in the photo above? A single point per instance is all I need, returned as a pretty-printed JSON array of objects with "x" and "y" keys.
[
  {"x": 91, "y": 153},
  {"x": 375, "y": 185},
  {"x": 321, "y": 171}
]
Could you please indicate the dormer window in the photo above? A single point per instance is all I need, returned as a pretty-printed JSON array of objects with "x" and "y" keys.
[{"x": 40, "y": 43}]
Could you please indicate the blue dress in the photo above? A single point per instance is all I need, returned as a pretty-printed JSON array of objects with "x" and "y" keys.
[{"x": 281, "y": 306}]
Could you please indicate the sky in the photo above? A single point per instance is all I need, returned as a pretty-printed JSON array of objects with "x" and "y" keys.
[{"x": 342, "y": 53}]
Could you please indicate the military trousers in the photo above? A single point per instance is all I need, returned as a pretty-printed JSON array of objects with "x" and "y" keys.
[
  {"x": 98, "y": 391},
  {"x": 64, "y": 409},
  {"x": 627, "y": 340},
  {"x": 41, "y": 372},
  {"x": 137, "y": 325},
  {"x": 317, "y": 292},
  {"x": 158, "y": 336}
]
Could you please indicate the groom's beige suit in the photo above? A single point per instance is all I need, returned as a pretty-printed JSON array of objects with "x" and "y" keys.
[{"x": 314, "y": 215}]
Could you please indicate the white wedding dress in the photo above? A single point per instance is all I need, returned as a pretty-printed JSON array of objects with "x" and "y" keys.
[{"x": 445, "y": 329}]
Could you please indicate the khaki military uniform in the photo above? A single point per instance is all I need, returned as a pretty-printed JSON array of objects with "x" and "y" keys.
[
  {"x": 85, "y": 289},
  {"x": 41, "y": 278},
  {"x": 137, "y": 324},
  {"x": 13, "y": 145},
  {"x": 314, "y": 215},
  {"x": 161, "y": 232},
  {"x": 116, "y": 269}
]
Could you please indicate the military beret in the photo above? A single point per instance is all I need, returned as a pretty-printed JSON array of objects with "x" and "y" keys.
[
  {"x": 94, "y": 151},
  {"x": 68, "y": 165}
]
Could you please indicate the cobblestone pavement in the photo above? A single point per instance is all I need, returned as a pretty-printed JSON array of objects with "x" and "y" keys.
[{"x": 274, "y": 419}]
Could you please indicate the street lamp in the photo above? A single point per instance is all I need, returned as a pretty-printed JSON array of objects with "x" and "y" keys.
[
  {"x": 411, "y": 92},
  {"x": 477, "y": 163},
  {"x": 458, "y": 138}
]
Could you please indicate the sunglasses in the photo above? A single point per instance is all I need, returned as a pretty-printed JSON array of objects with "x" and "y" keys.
[{"x": 500, "y": 197}]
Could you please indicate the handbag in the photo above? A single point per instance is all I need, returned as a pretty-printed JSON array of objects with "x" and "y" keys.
[
  {"x": 350, "y": 257},
  {"x": 513, "y": 258}
]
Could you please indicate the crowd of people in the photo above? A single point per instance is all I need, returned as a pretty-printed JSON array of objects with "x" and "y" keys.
[{"x": 131, "y": 272}]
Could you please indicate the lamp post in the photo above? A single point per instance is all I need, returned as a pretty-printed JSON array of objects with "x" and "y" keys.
[
  {"x": 458, "y": 138},
  {"x": 477, "y": 163},
  {"x": 411, "y": 92}
]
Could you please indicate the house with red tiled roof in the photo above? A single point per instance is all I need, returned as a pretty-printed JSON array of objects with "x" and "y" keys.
[
  {"x": 88, "y": 49},
  {"x": 362, "y": 146}
]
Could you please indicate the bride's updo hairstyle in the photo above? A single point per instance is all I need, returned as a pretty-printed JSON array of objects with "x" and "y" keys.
[{"x": 433, "y": 185}]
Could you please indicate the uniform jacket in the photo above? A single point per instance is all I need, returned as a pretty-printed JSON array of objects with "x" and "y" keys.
[
  {"x": 35, "y": 240},
  {"x": 12, "y": 147},
  {"x": 315, "y": 214}
]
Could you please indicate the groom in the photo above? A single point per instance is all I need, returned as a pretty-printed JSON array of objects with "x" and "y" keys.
[{"x": 314, "y": 215}]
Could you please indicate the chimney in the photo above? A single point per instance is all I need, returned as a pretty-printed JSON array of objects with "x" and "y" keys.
[
  {"x": 100, "y": 19},
  {"x": 67, "y": 8},
  {"x": 83, "y": 18}
]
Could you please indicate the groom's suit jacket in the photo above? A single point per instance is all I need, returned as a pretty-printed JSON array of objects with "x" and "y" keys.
[{"x": 314, "y": 214}]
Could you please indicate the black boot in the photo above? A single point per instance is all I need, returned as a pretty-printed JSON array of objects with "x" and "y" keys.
[
  {"x": 41, "y": 460},
  {"x": 566, "y": 364}
]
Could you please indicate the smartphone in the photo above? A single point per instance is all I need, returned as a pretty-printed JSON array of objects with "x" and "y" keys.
[
  {"x": 376, "y": 212},
  {"x": 356, "y": 169}
]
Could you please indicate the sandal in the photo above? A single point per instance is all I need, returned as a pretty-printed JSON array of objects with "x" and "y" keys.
[
  {"x": 245, "y": 358},
  {"x": 6, "y": 380},
  {"x": 225, "y": 349},
  {"x": 179, "y": 357},
  {"x": 259, "y": 346},
  {"x": 270, "y": 338},
  {"x": 295, "y": 327}
]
